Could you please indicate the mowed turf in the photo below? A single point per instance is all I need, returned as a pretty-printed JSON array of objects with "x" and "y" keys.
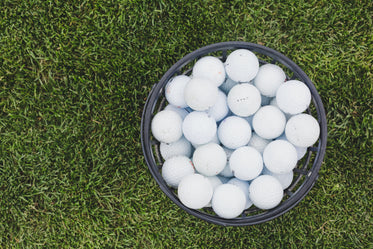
[{"x": 74, "y": 77}]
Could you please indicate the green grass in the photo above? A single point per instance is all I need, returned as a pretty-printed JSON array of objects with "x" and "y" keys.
[{"x": 74, "y": 77}]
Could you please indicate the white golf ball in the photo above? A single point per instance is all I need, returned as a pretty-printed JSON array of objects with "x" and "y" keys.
[
  {"x": 228, "y": 201},
  {"x": 244, "y": 99},
  {"x": 269, "y": 79},
  {"x": 195, "y": 191},
  {"x": 234, "y": 132},
  {"x": 280, "y": 157},
  {"x": 285, "y": 179},
  {"x": 265, "y": 192},
  {"x": 200, "y": 94},
  {"x": 211, "y": 68},
  {"x": 244, "y": 186},
  {"x": 174, "y": 91},
  {"x": 301, "y": 151},
  {"x": 227, "y": 85},
  {"x": 258, "y": 142},
  {"x": 209, "y": 159},
  {"x": 269, "y": 122},
  {"x": 176, "y": 168},
  {"x": 242, "y": 65},
  {"x": 302, "y": 130},
  {"x": 182, "y": 112},
  {"x": 199, "y": 127},
  {"x": 166, "y": 126},
  {"x": 220, "y": 109},
  {"x": 246, "y": 163},
  {"x": 181, "y": 147},
  {"x": 215, "y": 182},
  {"x": 293, "y": 97}
]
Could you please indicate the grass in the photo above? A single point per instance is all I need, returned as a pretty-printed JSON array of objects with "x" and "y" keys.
[{"x": 74, "y": 76}]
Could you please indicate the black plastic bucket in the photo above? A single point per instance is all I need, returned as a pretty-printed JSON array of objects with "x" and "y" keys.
[{"x": 306, "y": 171}]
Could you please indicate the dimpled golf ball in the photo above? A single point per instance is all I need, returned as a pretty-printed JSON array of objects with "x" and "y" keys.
[
  {"x": 258, "y": 142},
  {"x": 293, "y": 97},
  {"x": 175, "y": 91},
  {"x": 166, "y": 126},
  {"x": 209, "y": 159},
  {"x": 199, "y": 127},
  {"x": 220, "y": 109},
  {"x": 269, "y": 122},
  {"x": 244, "y": 99},
  {"x": 285, "y": 179},
  {"x": 195, "y": 191},
  {"x": 234, "y": 132},
  {"x": 269, "y": 79},
  {"x": 244, "y": 186},
  {"x": 302, "y": 130},
  {"x": 181, "y": 147},
  {"x": 182, "y": 112},
  {"x": 176, "y": 168},
  {"x": 246, "y": 163},
  {"x": 228, "y": 201},
  {"x": 242, "y": 65},
  {"x": 280, "y": 157},
  {"x": 200, "y": 94},
  {"x": 301, "y": 151},
  {"x": 265, "y": 192},
  {"x": 211, "y": 68},
  {"x": 227, "y": 85}
]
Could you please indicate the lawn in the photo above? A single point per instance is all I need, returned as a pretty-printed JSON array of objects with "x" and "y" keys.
[{"x": 75, "y": 75}]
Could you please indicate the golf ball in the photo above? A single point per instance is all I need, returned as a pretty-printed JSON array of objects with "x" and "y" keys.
[
  {"x": 269, "y": 79},
  {"x": 199, "y": 127},
  {"x": 166, "y": 126},
  {"x": 269, "y": 122},
  {"x": 280, "y": 157},
  {"x": 200, "y": 94},
  {"x": 244, "y": 99},
  {"x": 211, "y": 68},
  {"x": 246, "y": 163},
  {"x": 220, "y": 109},
  {"x": 228, "y": 201},
  {"x": 265, "y": 192},
  {"x": 234, "y": 132},
  {"x": 181, "y": 147},
  {"x": 242, "y": 65},
  {"x": 302, "y": 130},
  {"x": 209, "y": 159},
  {"x": 293, "y": 97},
  {"x": 175, "y": 91},
  {"x": 175, "y": 169},
  {"x": 195, "y": 191}
]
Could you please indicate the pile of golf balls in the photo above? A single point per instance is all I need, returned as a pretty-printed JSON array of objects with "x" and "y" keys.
[{"x": 232, "y": 133}]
